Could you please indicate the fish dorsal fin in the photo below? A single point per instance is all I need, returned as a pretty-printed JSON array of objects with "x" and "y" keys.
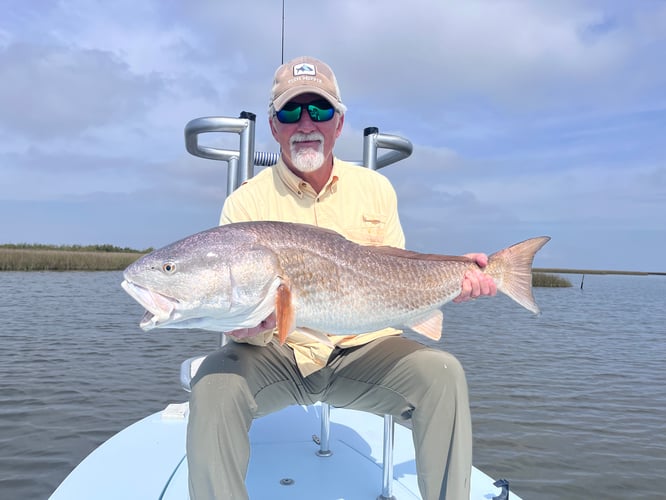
[
  {"x": 430, "y": 324},
  {"x": 284, "y": 312},
  {"x": 410, "y": 254}
]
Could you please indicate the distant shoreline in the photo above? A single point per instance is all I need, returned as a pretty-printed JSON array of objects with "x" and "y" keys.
[
  {"x": 73, "y": 258},
  {"x": 552, "y": 270},
  {"x": 54, "y": 259}
]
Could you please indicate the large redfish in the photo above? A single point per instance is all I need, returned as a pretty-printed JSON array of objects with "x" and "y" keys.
[{"x": 236, "y": 275}]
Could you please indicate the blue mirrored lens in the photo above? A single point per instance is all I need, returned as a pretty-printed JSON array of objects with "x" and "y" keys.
[
  {"x": 320, "y": 111},
  {"x": 289, "y": 115}
]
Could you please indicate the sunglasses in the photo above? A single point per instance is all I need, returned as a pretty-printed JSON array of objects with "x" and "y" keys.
[{"x": 319, "y": 111}]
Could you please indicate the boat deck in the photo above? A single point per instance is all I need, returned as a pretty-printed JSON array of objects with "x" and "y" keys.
[{"x": 147, "y": 460}]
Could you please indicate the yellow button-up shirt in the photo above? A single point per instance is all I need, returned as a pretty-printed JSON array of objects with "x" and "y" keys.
[{"x": 356, "y": 202}]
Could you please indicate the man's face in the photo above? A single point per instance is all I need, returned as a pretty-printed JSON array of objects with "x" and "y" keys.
[{"x": 307, "y": 144}]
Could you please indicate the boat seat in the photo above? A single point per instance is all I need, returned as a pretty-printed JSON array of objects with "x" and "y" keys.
[{"x": 190, "y": 366}]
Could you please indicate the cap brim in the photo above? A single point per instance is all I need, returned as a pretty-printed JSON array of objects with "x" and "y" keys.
[{"x": 287, "y": 96}]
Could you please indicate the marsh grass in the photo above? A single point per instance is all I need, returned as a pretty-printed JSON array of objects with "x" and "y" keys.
[
  {"x": 549, "y": 280},
  {"x": 45, "y": 258},
  {"x": 38, "y": 259}
]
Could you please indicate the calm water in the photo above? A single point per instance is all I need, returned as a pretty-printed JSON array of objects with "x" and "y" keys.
[{"x": 567, "y": 405}]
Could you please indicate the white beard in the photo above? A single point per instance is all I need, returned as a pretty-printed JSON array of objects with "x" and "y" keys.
[{"x": 307, "y": 159}]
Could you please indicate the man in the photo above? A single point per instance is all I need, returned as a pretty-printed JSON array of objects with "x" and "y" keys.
[{"x": 380, "y": 372}]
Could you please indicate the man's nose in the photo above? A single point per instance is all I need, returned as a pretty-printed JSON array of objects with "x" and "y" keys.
[{"x": 305, "y": 124}]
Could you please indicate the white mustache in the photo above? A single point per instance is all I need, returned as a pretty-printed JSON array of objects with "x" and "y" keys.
[{"x": 314, "y": 136}]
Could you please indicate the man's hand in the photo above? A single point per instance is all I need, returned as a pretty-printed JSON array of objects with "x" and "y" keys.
[
  {"x": 267, "y": 324},
  {"x": 475, "y": 283}
]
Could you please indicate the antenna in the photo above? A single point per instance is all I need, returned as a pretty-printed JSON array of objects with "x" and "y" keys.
[{"x": 282, "y": 60}]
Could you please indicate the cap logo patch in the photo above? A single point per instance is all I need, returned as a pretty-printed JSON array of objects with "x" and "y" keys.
[{"x": 304, "y": 69}]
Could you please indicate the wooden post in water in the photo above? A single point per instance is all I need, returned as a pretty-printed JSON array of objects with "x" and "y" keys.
[{"x": 581, "y": 281}]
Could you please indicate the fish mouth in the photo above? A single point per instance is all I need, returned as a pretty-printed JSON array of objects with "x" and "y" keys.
[{"x": 159, "y": 308}]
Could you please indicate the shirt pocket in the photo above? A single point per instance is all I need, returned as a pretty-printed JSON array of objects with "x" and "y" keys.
[{"x": 369, "y": 230}]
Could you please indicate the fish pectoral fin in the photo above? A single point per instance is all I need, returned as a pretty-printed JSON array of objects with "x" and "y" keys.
[
  {"x": 430, "y": 324},
  {"x": 284, "y": 312}
]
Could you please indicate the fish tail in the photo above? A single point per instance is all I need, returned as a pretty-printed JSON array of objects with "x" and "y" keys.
[{"x": 512, "y": 270}]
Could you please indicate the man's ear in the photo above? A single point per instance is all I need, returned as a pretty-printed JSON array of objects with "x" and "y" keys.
[
  {"x": 271, "y": 124},
  {"x": 338, "y": 129}
]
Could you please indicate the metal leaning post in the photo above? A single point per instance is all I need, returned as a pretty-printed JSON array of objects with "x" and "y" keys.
[{"x": 240, "y": 167}]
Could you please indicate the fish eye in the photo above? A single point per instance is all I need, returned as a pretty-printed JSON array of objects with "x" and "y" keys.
[{"x": 169, "y": 267}]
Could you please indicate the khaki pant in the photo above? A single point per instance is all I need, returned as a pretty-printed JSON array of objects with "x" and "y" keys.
[{"x": 391, "y": 375}]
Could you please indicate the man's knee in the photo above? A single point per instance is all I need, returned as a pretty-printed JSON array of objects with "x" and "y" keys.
[
  {"x": 228, "y": 360},
  {"x": 220, "y": 392},
  {"x": 431, "y": 366}
]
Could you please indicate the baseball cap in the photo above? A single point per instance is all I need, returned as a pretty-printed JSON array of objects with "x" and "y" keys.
[{"x": 305, "y": 75}]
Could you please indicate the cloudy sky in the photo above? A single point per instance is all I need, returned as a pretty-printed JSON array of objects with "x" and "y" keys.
[{"x": 527, "y": 118}]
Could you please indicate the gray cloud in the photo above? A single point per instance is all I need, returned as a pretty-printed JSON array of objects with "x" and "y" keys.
[{"x": 48, "y": 91}]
